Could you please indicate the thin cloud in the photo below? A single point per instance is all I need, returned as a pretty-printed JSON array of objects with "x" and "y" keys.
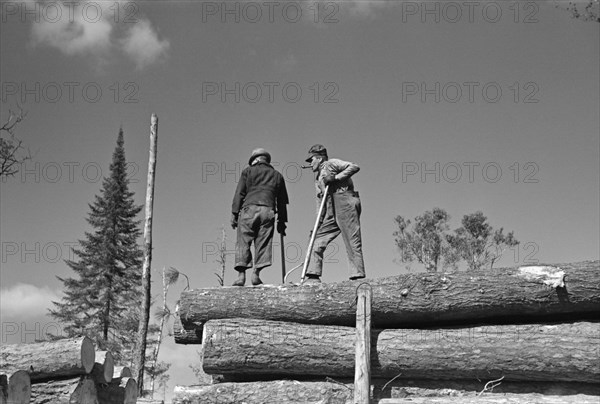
[
  {"x": 94, "y": 32},
  {"x": 368, "y": 8},
  {"x": 287, "y": 63},
  {"x": 25, "y": 301},
  {"x": 72, "y": 34},
  {"x": 142, "y": 44}
]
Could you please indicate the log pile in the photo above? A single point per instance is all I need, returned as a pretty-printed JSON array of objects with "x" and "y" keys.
[
  {"x": 63, "y": 371},
  {"x": 532, "y": 332}
]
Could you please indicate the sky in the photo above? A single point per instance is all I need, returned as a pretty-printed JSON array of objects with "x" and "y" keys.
[{"x": 466, "y": 106}]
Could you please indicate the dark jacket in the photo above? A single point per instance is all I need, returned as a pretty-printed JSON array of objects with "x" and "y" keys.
[{"x": 261, "y": 184}]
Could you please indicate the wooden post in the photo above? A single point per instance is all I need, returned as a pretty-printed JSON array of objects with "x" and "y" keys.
[
  {"x": 362, "y": 369},
  {"x": 140, "y": 354}
]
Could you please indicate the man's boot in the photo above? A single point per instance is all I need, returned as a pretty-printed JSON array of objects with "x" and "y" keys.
[
  {"x": 241, "y": 280},
  {"x": 311, "y": 280},
  {"x": 255, "y": 277}
]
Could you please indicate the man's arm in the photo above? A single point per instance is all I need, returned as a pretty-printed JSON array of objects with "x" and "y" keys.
[
  {"x": 240, "y": 194},
  {"x": 342, "y": 170},
  {"x": 282, "y": 201}
]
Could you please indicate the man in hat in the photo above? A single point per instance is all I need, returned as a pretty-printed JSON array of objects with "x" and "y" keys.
[
  {"x": 260, "y": 194},
  {"x": 342, "y": 212}
]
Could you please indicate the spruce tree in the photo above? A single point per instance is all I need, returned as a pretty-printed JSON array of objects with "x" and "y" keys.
[{"x": 102, "y": 300}]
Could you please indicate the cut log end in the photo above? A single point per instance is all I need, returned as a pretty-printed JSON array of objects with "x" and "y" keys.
[
  {"x": 105, "y": 366},
  {"x": 85, "y": 393},
  {"x": 88, "y": 354},
  {"x": 122, "y": 390},
  {"x": 131, "y": 391},
  {"x": 121, "y": 372},
  {"x": 19, "y": 388}
]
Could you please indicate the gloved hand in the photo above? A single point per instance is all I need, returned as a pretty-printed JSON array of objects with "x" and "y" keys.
[
  {"x": 234, "y": 221},
  {"x": 281, "y": 228},
  {"x": 328, "y": 179}
]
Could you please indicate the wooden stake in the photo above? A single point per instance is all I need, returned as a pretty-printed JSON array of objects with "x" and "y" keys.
[{"x": 362, "y": 370}]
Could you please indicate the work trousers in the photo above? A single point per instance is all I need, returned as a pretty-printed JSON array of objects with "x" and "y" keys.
[
  {"x": 342, "y": 215},
  {"x": 255, "y": 224}
]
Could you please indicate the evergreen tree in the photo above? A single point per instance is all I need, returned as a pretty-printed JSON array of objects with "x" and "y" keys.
[{"x": 102, "y": 300}]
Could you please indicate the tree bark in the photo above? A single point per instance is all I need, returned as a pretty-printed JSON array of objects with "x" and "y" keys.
[
  {"x": 140, "y": 347},
  {"x": 535, "y": 352},
  {"x": 510, "y": 295},
  {"x": 50, "y": 359},
  {"x": 125, "y": 391},
  {"x": 274, "y": 392},
  {"x": 79, "y": 390}
]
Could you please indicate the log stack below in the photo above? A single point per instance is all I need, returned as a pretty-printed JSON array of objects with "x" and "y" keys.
[
  {"x": 515, "y": 327},
  {"x": 532, "y": 352},
  {"x": 63, "y": 371}
]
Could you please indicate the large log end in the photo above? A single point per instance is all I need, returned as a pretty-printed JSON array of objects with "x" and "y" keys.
[
  {"x": 19, "y": 388},
  {"x": 85, "y": 393},
  {"x": 88, "y": 354},
  {"x": 3, "y": 389},
  {"x": 131, "y": 391},
  {"x": 104, "y": 367}
]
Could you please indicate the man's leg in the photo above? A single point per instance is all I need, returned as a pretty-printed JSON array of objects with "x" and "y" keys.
[
  {"x": 263, "y": 244},
  {"x": 326, "y": 233},
  {"x": 347, "y": 210},
  {"x": 245, "y": 235}
]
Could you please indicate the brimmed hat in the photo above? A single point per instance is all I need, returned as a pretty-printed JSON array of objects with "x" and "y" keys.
[
  {"x": 316, "y": 150},
  {"x": 259, "y": 152}
]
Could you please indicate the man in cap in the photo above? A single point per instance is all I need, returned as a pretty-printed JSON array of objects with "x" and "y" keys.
[
  {"x": 260, "y": 194},
  {"x": 342, "y": 213}
]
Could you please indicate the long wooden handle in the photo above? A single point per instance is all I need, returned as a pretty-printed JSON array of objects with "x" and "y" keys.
[
  {"x": 314, "y": 234},
  {"x": 282, "y": 258}
]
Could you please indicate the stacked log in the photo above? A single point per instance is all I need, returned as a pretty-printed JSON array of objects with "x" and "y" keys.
[
  {"x": 280, "y": 391},
  {"x": 63, "y": 371},
  {"x": 104, "y": 367},
  {"x": 67, "y": 391},
  {"x": 292, "y": 391},
  {"x": 508, "y": 295},
  {"x": 50, "y": 360},
  {"x": 513, "y": 326},
  {"x": 122, "y": 390},
  {"x": 532, "y": 352}
]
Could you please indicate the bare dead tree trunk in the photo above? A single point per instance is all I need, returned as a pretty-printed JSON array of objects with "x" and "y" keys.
[
  {"x": 160, "y": 331},
  {"x": 140, "y": 354}
]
